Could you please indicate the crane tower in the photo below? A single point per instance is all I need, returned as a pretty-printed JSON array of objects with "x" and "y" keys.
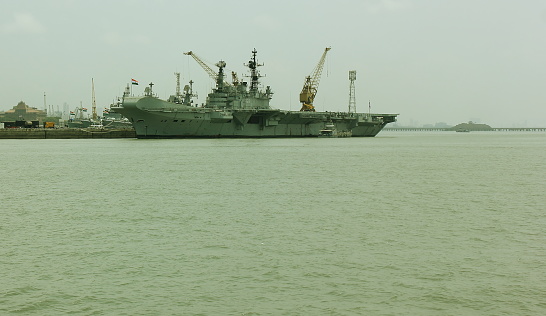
[
  {"x": 93, "y": 102},
  {"x": 352, "y": 97},
  {"x": 310, "y": 86}
]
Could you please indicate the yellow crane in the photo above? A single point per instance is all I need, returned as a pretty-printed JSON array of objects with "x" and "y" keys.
[
  {"x": 310, "y": 86},
  {"x": 213, "y": 74}
]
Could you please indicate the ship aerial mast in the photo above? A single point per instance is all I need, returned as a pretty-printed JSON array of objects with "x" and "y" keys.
[
  {"x": 254, "y": 74},
  {"x": 220, "y": 83}
]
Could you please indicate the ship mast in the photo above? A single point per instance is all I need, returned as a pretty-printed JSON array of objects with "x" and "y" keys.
[
  {"x": 220, "y": 79},
  {"x": 254, "y": 74}
]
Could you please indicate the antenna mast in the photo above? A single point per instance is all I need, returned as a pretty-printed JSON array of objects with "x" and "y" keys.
[
  {"x": 177, "y": 74},
  {"x": 352, "y": 97},
  {"x": 254, "y": 74}
]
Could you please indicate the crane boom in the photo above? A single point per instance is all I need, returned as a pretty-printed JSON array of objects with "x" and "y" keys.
[
  {"x": 213, "y": 74},
  {"x": 310, "y": 86}
]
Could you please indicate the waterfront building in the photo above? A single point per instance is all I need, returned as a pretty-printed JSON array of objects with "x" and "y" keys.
[{"x": 23, "y": 112}]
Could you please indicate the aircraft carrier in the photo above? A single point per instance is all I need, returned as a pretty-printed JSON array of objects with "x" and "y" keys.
[{"x": 241, "y": 109}]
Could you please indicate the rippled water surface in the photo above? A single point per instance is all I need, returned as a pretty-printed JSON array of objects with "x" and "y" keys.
[{"x": 404, "y": 223}]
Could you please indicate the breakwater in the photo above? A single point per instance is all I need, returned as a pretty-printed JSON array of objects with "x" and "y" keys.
[
  {"x": 64, "y": 133},
  {"x": 437, "y": 129}
]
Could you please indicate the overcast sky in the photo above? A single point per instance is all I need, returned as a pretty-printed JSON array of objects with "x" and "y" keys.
[{"x": 428, "y": 60}]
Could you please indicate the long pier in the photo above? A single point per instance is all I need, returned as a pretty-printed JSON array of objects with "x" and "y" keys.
[
  {"x": 520, "y": 129},
  {"x": 438, "y": 129},
  {"x": 64, "y": 133}
]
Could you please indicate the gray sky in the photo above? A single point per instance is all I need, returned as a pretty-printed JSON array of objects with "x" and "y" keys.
[{"x": 428, "y": 60}]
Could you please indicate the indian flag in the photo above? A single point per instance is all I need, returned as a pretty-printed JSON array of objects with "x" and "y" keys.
[{"x": 133, "y": 81}]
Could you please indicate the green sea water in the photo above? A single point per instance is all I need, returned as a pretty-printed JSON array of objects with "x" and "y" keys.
[{"x": 406, "y": 223}]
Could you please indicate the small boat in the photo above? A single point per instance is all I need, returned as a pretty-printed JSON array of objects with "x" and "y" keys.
[{"x": 331, "y": 131}]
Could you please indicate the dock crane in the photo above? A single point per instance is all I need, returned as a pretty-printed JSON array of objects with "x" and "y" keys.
[
  {"x": 93, "y": 102},
  {"x": 213, "y": 74},
  {"x": 310, "y": 86}
]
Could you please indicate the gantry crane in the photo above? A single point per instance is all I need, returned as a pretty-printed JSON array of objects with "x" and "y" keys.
[
  {"x": 213, "y": 74},
  {"x": 310, "y": 86}
]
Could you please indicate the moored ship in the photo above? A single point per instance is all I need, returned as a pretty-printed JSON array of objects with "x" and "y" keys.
[{"x": 239, "y": 109}]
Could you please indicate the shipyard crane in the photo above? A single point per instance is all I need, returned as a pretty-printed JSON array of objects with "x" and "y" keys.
[
  {"x": 213, "y": 74},
  {"x": 93, "y": 103},
  {"x": 310, "y": 86}
]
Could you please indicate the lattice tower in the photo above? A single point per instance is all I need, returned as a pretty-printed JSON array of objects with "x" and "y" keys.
[
  {"x": 177, "y": 74},
  {"x": 352, "y": 97}
]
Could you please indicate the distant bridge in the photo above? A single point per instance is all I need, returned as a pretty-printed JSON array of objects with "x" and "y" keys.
[
  {"x": 520, "y": 129},
  {"x": 441, "y": 129},
  {"x": 415, "y": 129}
]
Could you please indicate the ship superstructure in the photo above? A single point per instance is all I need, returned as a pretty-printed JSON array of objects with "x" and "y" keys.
[{"x": 239, "y": 109}]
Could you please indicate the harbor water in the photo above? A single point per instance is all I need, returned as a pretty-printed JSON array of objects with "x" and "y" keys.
[{"x": 406, "y": 223}]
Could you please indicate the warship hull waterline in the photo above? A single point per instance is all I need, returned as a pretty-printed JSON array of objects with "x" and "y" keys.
[{"x": 237, "y": 110}]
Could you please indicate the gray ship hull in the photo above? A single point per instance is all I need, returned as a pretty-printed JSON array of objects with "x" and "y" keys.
[
  {"x": 155, "y": 118},
  {"x": 239, "y": 109}
]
